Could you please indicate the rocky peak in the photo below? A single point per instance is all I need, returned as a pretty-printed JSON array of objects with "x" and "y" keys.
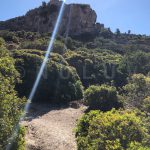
[
  {"x": 55, "y": 2},
  {"x": 77, "y": 20}
]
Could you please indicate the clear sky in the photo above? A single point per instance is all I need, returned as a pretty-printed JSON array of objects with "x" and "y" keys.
[{"x": 122, "y": 14}]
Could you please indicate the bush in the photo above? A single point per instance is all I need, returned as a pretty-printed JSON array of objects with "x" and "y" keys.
[
  {"x": 58, "y": 47},
  {"x": 20, "y": 143},
  {"x": 93, "y": 66},
  {"x": 10, "y": 105},
  {"x": 59, "y": 83},
  {"x": 113, "y": 130},
  {"x": 40, "y": 44},
  {"x": 72, "y": 44},
  {"x": 2, "y": 42},
  {"x": 146, "y": 104},
  {"x": 9, "y": 36},
  {"x": 106, "y": 34},
  {"x": 137, "y": 146},
  {"x": 102, "y": 97},
  {"x": 137, "y": 89},
  {"x": 137, "y": 62}
]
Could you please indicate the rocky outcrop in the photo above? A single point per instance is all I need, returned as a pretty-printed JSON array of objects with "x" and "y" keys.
[{"x": 77, "y": 20}]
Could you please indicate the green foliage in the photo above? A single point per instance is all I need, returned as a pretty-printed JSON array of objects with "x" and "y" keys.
[
  {"x": 92, "y": 66},
  {"x": 2, "y": 42},
  {"x": 106, "y": 33},
  {"x": 10, "y": 104},
  {"x": 17, "y": 53},
  {"x": 137, "y": 89},
  {"x": 137, "y": 62},
  {"x": 40, "y": 44},
  {"x": 96, "y": 130},
  {"x": 102, "y": 97},
  {"x": 107, "y": 59},
  {"x": 146, "y": 104},
  {"x": 137, "y": 146},
  {"x": 59, "y": 47},
  {"x": 73, "y": 44},
  {"x": 9, "y": 36},
  {"x": 113, "y": 130},
  {"x": 60, "y": 82},
  {"x": 20, "y": 143},
  {"x": 19, "y": 35},
  {"x": 105, "y": 40}
]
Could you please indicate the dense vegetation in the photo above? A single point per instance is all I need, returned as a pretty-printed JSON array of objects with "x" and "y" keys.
[
  {"x": 111, "y": 73},
  {"x": 112, "y": 130},
  {"x": 137, "y": 92},
  {"x": 60, "y": 82},
  {"x": 10, "y": 104},
  {"x": 102, "y": 97},
  {"x": 20, "y": 143}
]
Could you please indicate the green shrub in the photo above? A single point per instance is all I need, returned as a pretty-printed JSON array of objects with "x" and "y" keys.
[
  {"x": 93, "y": 66},
  {"x": 146, "y": 104},
  {"x": 137, "y": 62},
  {"x": 73, "y": 44},
  {"x": 58, "y": 47},
  {"x": 59, "y": 83},
  {"x": 10, "y": 105},
  {"x": 2, "y": 42},
  {"x": 106, "y": 33},
  {"x": 137, "y": 146},
  {"x": 40, "y": 44},
  {"x": 102, "y": 97},
  {"x": 20, "y": 143},
  {"x": 137, "y": 89},
  {"x": 9, "y": 36},
  {"x": 113, "y": 130}
]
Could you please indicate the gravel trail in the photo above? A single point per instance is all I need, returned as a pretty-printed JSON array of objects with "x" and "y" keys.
[{"x": 51, "y": 128}]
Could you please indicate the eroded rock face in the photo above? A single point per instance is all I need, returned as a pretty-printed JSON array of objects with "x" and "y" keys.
[{"x": 77, "y": 20}]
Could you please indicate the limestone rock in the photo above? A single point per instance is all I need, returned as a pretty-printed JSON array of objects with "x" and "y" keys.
[{"x": 77, "y": 20}]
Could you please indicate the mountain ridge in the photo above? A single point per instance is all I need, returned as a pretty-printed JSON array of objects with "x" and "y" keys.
[{"x": 77, "y": 20}]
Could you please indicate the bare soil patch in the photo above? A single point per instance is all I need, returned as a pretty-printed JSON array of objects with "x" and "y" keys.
[{"x": 51, "y": 127}]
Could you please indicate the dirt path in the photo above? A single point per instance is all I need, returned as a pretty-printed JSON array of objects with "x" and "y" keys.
[{"x": 51, "y": 128}]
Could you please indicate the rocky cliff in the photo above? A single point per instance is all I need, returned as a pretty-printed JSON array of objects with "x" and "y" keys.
[{"x": 77, "y": 20}]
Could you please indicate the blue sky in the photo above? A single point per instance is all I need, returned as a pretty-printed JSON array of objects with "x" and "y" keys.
[{"x": 122, "y": 14}]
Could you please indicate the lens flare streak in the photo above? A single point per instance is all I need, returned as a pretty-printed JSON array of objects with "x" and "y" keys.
[
  {"x": 46, "y": 56},
  {"x": 27, "y": 106}
]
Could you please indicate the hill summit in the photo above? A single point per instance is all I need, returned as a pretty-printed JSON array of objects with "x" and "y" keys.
[{"x": 77, "y": 20}]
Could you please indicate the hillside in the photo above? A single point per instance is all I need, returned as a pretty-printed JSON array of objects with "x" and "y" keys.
[{"x": 94, "y": 93}]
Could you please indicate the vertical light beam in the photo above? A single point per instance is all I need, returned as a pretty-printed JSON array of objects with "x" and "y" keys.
[
  {"x": 27, "y": 106},
  {"x": 46, "y": 57}
]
